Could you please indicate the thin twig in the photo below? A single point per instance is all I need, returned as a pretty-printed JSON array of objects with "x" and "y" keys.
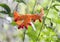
[
  {"x": 24, "y": 34},
  {"x": 34, "y": 6},
  {"x": 16, "y": 7},
  {"x": 43, "y": 23}
]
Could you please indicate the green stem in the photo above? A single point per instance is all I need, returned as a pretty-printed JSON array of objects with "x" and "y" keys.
[
  {"x": 34, "y": 6},
  {"x": 42, "y": 26},
  {"x": 43, "y": 23},
  {"x": 24, "y": 34}
]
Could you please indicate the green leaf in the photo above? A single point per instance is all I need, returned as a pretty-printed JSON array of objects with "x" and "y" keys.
[
  {"x": 56, "y": 7},
  {"x": 31, "y": 33},
  {"x": 6, "y": 7},
  {"x": 45, "y": 3},
  {"x": 55, "y": 4},
  {"x": 58, "y": 0},
  {"x": 56, "y": 20},
  {"x": 4, "y": 12},
  {"x": 49, "y": 5},
  {"x": 20, "y": 1},
  {"x": 52, "y": 13},
  {"x": 13, "y": 23}
]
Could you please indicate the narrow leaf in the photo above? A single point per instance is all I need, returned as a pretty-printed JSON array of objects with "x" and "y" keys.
[
  {"x": 6, "y": 7},
  {"x": 4, "y": 12}
]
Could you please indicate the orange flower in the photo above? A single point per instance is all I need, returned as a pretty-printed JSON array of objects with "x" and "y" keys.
[{"x": 24, "y": 20}]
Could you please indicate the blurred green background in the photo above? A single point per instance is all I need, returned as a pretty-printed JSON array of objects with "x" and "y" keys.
[{"x": 46, "y": 31}]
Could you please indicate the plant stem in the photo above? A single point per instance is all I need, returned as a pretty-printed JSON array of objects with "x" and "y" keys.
[
  {"x": 41, "y": 27},
  {"x": 43, "y": 23},
  {"x": 24, "y": 34},
  {"x": 34, "y": 6}
]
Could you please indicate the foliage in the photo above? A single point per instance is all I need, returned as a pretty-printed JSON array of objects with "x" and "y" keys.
[
  {"x": 6, "y": 7},
  {"x": 49, "y": 29}
]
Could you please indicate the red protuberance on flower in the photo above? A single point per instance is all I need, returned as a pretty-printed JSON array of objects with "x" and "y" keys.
[
  {"x": 21, "y": 26},
  {"x": 24, "y": 20}
]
